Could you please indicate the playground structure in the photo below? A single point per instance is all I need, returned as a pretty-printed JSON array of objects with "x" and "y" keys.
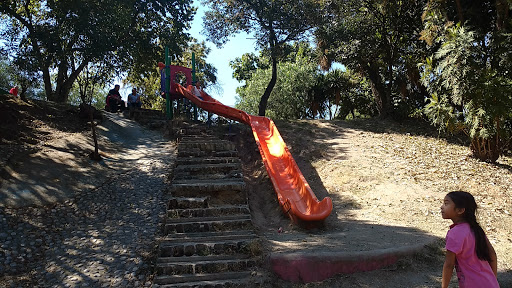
[{"x": 294, "y": 194}]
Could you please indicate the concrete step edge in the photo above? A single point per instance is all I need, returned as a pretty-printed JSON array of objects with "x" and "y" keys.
[
  {"x": 215, "y": 239},
  {"x": 187, "y": 278},
  {"x": 226, "y": 218},
  {"x": 198, "y": 259},
  {"x": 207, "y": 234}
]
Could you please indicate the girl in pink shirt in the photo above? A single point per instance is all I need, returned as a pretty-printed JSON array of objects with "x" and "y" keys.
[{"x": 467, "y": 246}]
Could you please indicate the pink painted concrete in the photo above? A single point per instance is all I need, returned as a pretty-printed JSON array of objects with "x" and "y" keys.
[{"x": 309, "y": 267}]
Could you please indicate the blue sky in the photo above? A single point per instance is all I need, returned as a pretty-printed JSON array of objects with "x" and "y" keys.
[{"x": 219, "y": 58}]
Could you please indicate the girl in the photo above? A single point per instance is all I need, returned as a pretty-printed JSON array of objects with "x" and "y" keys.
[{"x": 467, "y": 247}]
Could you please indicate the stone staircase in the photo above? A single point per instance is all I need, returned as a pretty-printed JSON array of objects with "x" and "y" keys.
[
  {"x": 153, "y": 119},
  {"x": 208, "y": 234}
]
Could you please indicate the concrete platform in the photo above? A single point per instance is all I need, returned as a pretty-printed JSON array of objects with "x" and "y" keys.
[{"x": 303, "y": 257}]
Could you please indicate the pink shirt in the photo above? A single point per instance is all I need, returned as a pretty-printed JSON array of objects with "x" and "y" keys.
[{"x": 471, "y": 271}]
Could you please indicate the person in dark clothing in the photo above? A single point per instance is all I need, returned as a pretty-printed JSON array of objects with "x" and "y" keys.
[{"x": 114, "y": 101}]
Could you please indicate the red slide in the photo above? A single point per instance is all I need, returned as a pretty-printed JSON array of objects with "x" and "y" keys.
[{"x": 293, "y": 192}]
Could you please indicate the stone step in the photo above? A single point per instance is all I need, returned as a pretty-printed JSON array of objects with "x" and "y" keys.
[
  {"x": 208, "y": 236},
  {"x": 243, "y": 222},
  {"x": 202, "y": 264},
  {"x": 193, "y": 131},
  {"x": 187, "y": 202},
  {"x": 234, "y": 174},
  {"x": 204, "y": 137},
  {"x": 206, "y": 160},
  {"x": 199, "y": 153},
  {"x": 196, "y": 259},
  {"x": 248, "y": 245},
  {"x": 208, "y": 212},
  {"x": 207, "y": 185},
  {"x": 207, "y": 146},
  {"x": 207, "y": 168},
  {"x": 220, "y": 191},
  {"x": 241, "y": 217},
  {"x": 198, "y": 140},
  {"x": 208, "y": 171},
  {"x": 225, "y": 279}
]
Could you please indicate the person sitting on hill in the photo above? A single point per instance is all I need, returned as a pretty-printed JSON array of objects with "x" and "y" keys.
[
  {"x": 114, "y": 101},
  {"x": 134, "y": 99}
]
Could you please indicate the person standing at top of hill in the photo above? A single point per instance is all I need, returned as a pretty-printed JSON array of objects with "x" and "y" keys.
[
  {"x": 134, "y": 99},
  {"x": 467, "y": 246},
  {"x": 114, "y": 100},
  {"x": 14, "y": 91}
]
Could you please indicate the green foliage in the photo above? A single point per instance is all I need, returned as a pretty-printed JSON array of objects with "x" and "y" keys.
[
  {"x": 243, "y": 67},
  {"x": 149, "y": 89},
  {"x": 441, "y": 113},
  {"x": 378, "y": 39},
  {"x": 289, "y": 98},
  {"x": 5, "y": 74},
  {"x": 272, "y": 22},
  {"x": 467, "y": 93},
  {"x": 97, "y": 97},
  {"x": 351, "y": 94},
  {"x": 279, "y": 21},
  {"x": 60, "y": 38}
]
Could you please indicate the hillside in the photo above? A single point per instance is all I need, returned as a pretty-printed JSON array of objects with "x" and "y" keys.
[{"x": 376, "y": 172}]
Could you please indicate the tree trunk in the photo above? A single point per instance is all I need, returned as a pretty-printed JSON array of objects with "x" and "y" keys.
[
  {"x": 48, "y": 84},
  {"x": 264, "y": 99},
  {"x": 459, "y": 11},
  {"x": 486, "y": 149},
  {"x": 64, "y": 82},
  {"x": 502, "y": 12},
  {"x": 378, "y": 89}
]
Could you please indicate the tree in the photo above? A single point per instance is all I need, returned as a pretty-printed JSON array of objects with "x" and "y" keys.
[
  {"x": 349, "y": 93},
  {"x": 5, "y": 74},
  {"x": 88, "y": 82},
  {"x": 243, "y": 67},
  {"x": 378, "y": 39},
  {"x": 289, "y": 100},
  {"x": 63, "y": 37},
  {"x": 469, "y": 76},
  {"x": 273, "y": 22},
  {"x": 12, "y": 74}
]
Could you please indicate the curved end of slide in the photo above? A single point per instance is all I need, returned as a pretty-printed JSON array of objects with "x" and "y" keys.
[{"x": 319, "y": 211}]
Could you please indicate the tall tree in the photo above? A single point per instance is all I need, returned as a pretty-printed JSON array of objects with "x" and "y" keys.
[
  {"x": 63, "y": 36},
  {"x": 273, "y": 23},
  {"x": 378, "y": 39},
  {"x": 468, "y": 76}
]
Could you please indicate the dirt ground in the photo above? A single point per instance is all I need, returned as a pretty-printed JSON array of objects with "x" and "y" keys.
[
  {"x": 384, "y": 174},
  {"x": 381, "y": 174}
]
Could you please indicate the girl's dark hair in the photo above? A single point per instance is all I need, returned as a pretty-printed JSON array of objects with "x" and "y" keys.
[{"x": 467, "y": 201}]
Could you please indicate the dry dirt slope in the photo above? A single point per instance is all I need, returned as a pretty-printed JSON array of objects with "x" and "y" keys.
[{"x": 387, "y": 174}]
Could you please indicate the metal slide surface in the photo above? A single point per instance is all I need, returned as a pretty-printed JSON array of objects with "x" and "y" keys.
[{"x": 293, "y": 191}]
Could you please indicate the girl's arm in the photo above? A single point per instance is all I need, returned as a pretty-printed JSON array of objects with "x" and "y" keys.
[
  {"x": 449, "y": 263},
  {"x": 494, "y": 258}
]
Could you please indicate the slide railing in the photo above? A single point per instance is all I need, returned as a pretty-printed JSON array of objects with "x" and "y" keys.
[{"x": 295, "y": 196}]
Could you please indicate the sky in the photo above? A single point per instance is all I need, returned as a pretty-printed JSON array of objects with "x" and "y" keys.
[{"x": 219, "y": 58}]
